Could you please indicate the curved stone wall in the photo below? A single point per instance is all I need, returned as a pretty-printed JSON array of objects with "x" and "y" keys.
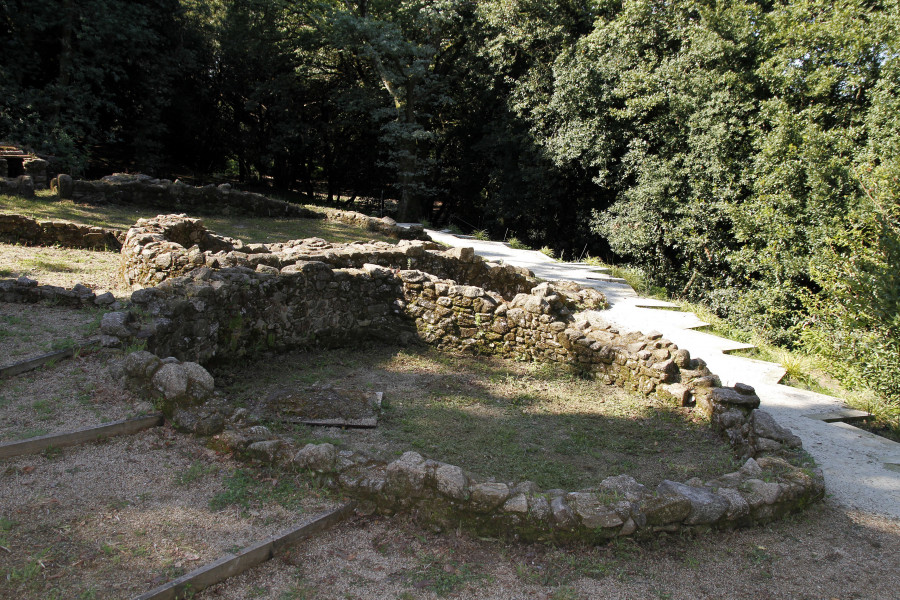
[
  {"x": 445, "y": 495},
  {"x": 154, "y": 250},
  {"x": 17, "y": 229}
]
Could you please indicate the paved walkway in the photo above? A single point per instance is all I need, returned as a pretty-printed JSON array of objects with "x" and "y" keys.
[{"x": 862, "y": 470}]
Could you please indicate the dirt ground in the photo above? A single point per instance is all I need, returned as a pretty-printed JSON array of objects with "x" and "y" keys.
[
  {"x": 117, "y": 518},
  {"x": 822, "y": 554}
]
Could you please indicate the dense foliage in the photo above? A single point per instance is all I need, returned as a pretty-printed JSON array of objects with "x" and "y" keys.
[{"x": 743, "y": 153}]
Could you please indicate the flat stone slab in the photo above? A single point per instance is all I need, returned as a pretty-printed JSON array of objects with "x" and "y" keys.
[{"x": 324, "y": 406}]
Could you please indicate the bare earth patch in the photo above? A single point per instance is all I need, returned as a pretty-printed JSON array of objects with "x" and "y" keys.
[
  {"x": 495, "y": 417},
  {"x": 28, "y": 330},
  {"x": 115, "y": 519},
  {"x": 64, "y": 396},
  {"x": 825, "y": 553}
]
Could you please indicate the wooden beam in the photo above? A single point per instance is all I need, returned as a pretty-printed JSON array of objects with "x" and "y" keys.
[
  {"x": 43, "y": 359},
  {"x": 234, "y": 564},
  {"x": 72, "y": 438}
]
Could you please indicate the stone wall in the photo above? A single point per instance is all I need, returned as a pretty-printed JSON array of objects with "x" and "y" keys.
[
  {"x": 274, "y": 299},
  {"x": 143, "y": 190},
  {"x": 223, "y": 313},
  {"x": 36, "y": 168},
  {"x": 386, "y": 225},
  {"x": 17, "y": 229},
  {"x": 24, "y": 290},
  {"x": 153, "y": 252},
  {"x": 220, "y": 314},
  {"x": 22, "y": 185}
]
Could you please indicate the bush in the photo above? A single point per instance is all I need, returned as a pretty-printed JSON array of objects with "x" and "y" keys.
[{"x": 518, "y": 244}]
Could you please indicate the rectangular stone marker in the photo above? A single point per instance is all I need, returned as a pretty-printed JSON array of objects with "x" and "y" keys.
[{"x": 325, "y": 406}]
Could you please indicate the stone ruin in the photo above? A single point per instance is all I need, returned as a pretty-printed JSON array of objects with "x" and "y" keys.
[{"x": 217, "y": 300}]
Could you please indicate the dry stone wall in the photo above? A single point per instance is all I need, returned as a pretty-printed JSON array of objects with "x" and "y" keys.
[
  {"x": 156, "y": 249},
  {"x": 143, "y": 190},
  {"x": 17, "y": 229},
  {"x": 446, "y": 495},
  {"x": 216, "y": 312},
  {"x": 219, "y": 314}
]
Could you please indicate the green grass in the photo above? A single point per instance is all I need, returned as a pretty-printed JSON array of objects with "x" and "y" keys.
[
  {"x": 195, "y": 472},
  {"x": 46, "y": 206},
  {"x": 442, "y": 575},
  {"x": 245, "y": 488},
  {"x": 634, "y": 276},
  {"x": 517, "y": 244}
]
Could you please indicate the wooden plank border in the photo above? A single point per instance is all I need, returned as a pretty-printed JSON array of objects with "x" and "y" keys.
[
  {"x": 72, "y": 438},
  {"x": 39, "y": 361},
  {"x": 251, "y": 556}
]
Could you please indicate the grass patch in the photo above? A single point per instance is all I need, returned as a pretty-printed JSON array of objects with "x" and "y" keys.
[
  {"x": 195, "y": 472},
  {"x": 245, "y": 489},
  {"x": 633, "y": 276},
  {"x": 441, "y": 575},
  {"x": 514, "y": 421},
  {"x": 517, "y": 244}
]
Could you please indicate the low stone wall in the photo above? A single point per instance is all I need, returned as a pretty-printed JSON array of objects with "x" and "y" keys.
[
  {"x": 17, "y": 186},
  {"x": 154, "y": 250},
  {"x": 36, "y": 168},
  {"x": 276, "y": 299},
  {"x": 386, "y": 225},
  {"x": 17, "y": 229},
  {"x": 442, "y": 494},
  {"x": 221, "y": 314},
  {"x": 143, "y": 190},
  {"x": 214, "y": 314},
  {"x": 27, "y": 291}
]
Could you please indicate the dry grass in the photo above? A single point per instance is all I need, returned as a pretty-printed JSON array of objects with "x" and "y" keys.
[
  {"x": 67, "y": 395},
  {"x": 825, "y": 553},
  {"x": 28, "y": 330}
]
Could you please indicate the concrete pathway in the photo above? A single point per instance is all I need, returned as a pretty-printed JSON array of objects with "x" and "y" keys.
[{"x": 862, "y": 470}]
